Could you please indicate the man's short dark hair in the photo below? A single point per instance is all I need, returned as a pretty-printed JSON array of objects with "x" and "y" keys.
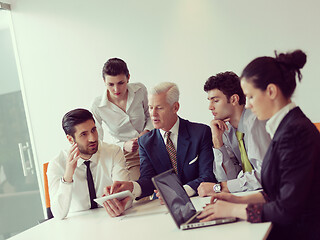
[
  {"x": 114, "y": 67},
  {"x": 228, "y": 83},
  {"x": 73, "y": 118}
]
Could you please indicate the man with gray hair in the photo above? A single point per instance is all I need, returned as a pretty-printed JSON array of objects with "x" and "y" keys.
[{"x": 174, "y": 143}]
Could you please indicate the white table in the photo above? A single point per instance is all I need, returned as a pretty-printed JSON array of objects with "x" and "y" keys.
[{"x": 148, "y": 220}]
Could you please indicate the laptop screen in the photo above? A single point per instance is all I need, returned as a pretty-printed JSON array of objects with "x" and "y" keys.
[{"x": 176, "y": 198}]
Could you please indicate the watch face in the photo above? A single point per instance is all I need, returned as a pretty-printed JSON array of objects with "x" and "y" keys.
[{"x": 217, "y": 188}]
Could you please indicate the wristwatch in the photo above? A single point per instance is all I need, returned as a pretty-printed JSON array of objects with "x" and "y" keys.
[
  {"x": 65, "y": 182},
  {"x": 217, "y": 188}
]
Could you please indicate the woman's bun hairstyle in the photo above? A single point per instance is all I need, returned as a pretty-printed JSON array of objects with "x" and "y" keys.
[
  {"x": 281, "y": 70},
  {"x": 293, "y": 61}
]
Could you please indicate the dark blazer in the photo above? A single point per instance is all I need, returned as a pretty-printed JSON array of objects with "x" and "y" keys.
[
  {"x": 194, "y": 156},
  {"x": 291, "y": 178}
]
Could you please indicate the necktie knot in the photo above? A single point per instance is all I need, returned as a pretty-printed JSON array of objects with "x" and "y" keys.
[
  {"x": 239, "y": 135},
  {"x": 246, "y": 165},
  {"x": 87, "y": 163},
  {"x": 167, "y": 135}
]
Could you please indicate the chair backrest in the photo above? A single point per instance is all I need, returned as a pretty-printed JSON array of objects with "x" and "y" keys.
[
  {"x": 46, "y": 190},
  {"x": 317, "y": 125}
]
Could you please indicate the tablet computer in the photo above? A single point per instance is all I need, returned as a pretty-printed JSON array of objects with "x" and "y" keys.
[{"x": 119, "y": 196}]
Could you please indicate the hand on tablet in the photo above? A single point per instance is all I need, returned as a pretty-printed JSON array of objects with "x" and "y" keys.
[
  {"x": 159, "y": 196},
  {"x": 119, "y": 186},
  {"x": 115, "y": 207}
]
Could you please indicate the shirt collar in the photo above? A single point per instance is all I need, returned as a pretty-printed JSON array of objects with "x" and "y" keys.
[
  {"x": 274, "y": 122},
  {"x": 241, "y": 121},
  {"x": 104, "y": 100},
  {"x": 132, "y": 88},
  {"x": 94, "y": 158},
  {"x": 173, "y": 130}
]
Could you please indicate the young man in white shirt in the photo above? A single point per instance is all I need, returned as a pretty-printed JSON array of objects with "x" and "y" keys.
[
  {"x": 68, "y": 178},
  {"x": 227, "y": 104}
]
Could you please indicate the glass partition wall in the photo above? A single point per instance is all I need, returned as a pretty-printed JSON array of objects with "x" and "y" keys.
[{"x": 20, "y": 201}]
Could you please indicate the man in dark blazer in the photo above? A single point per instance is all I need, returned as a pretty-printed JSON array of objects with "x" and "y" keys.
[
  {"x": 194, "y": 156},
  {"x": 192, "y": 147}
]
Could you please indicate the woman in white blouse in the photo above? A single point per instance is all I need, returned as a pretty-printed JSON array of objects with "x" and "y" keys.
[{"x": 123, "y": 108}]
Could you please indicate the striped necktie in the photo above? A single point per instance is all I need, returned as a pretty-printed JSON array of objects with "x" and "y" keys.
[
  {"x": 246, "y": 165},
  {"x": 171, "y": 151}
]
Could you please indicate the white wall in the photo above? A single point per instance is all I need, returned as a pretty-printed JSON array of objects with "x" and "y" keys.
[
  {"x": 9, "y": 81},
  {"x": 63, "y": 45}
]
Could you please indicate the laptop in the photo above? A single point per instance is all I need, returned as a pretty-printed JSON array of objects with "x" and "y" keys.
[{"x": 179, "y": 204}]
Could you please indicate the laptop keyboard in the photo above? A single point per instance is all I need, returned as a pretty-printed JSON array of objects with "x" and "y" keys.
[{"x": 195, "y": 220}]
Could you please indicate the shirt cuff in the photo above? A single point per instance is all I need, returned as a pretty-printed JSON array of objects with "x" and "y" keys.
[
  {"x": 136, "y": 190},
  {"x": 65, "y": 187},
  {"x": 220, "y": 150},
  {"x": 65, "y": 182},
  {"x": 189, "y": 190},
  {"x": 254, "y": 212},
  {"x": 234, "y": 186}
]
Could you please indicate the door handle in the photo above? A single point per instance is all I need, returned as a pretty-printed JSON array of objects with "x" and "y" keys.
[
  {"x": 28, "y": 147},
  {"x": 27, "y": 166}
]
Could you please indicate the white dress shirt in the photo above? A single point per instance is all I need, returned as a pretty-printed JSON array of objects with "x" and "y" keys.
[
  {"x": 256, "y": 141},
  {"x": 107, "y": 165},
  {"x": 123, "y": 125},
  {"x": 174, "y": 134},
  {"x": 273, "y": 123},
  {"x": 174, "y": 138}
]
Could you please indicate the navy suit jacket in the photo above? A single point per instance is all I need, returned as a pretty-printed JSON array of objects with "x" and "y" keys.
[
  {"x": 194, "y": 156},
  {"x": 291, "y": 178}
]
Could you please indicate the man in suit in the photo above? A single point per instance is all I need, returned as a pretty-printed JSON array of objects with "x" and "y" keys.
[{"x": 174, "y": 143}]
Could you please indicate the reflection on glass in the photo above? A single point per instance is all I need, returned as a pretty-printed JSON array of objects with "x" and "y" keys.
[
  {"x": 176, "y": 198},
  {"x": 20, "y": 204}
]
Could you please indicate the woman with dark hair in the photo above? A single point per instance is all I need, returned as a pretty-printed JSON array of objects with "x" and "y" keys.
[
  {"x": 290, "y": 172},
  {"x": 123, "y": 110}
]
